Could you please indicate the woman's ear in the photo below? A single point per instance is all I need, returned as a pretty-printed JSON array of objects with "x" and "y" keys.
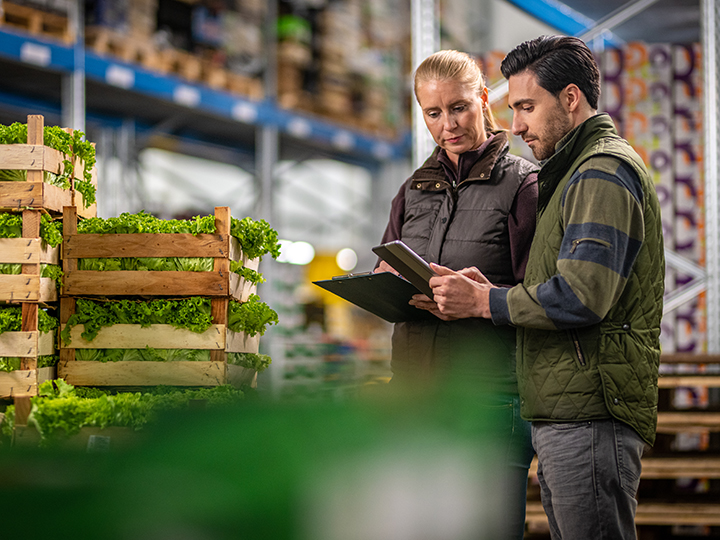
[{"x": 484, "y": 97}]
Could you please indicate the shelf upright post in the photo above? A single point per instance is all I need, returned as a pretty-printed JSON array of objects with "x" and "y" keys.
[
  {"x": 425, "y": 41},
  {"x": 73, "y": 84},
  {"x": 710, "y": 21}
]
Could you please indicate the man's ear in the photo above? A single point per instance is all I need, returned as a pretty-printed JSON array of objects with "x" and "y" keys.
[{"x": 572, "y": 97}]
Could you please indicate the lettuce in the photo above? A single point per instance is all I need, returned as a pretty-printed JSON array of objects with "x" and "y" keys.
[
  {"x": 192, "y": 313},
  {"x": 258, "y": 362},
  {"x": 251, "y": 317}
]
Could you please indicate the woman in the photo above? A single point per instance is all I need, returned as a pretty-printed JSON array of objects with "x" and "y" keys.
[{"x": 470, "y": 204}]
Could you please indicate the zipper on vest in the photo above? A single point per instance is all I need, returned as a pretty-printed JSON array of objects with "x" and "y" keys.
[
  {"x": 579, "y": 241},
  {"x": 578, "y": 349}
]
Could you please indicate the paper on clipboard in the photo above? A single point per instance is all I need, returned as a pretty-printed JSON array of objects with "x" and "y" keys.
[{"x": 410, "y": 265}]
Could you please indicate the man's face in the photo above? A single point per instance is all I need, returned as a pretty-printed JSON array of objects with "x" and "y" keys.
[{"x": 538, "y": 116}]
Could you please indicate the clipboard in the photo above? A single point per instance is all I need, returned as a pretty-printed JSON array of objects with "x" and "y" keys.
[
  {"x": 410, "y": 265},
  {"x": 383, "y": 294}
]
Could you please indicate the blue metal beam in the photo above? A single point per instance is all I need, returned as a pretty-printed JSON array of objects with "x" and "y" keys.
[{"x": 562, "y": 17}]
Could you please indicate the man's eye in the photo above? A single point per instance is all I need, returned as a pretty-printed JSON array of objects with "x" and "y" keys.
[{"x": 459, "y": 108}]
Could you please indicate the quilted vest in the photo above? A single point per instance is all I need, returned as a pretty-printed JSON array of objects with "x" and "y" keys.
[
  {"x": 462, "y": 226},
  {"x": 609, "y": 369}
]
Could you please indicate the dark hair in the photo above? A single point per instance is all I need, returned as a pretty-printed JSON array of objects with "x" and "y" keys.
[{"x": 556, "y": 62}]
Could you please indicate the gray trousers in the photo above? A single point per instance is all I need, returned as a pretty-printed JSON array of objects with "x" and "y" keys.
[{"x": 589, "y": 474}]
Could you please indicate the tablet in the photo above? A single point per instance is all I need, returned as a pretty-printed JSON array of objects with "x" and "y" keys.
[{"x": 410, "y": 265}]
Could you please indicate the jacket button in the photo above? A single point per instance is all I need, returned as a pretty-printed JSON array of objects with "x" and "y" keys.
[
  {"x": 444, "y": 219},
  {"x": 482, "y": 175},
  {"x": 419, "y": 185},
  {"x": 616, "y": 401},
  {"x": 626, "y": 327},
  {"x": 437, "y": 185}
]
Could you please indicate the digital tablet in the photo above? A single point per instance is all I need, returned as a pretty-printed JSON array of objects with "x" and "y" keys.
[{"x": 410, "y": 265}]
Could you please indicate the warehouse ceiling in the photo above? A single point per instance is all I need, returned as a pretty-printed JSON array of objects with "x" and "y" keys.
[{"x": 667, "y": 21}]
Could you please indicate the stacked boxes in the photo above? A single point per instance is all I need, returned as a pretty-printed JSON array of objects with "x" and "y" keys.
[{"x": 28, "y": 293}]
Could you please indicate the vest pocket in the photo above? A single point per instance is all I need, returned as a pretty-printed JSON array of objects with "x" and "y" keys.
[{"x": 580, "y": 355}]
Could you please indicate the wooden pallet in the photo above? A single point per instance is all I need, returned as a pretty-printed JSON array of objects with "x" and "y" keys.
[
  {"x": 218, "y": 283},
  {"x": 134, "y": 50},
  {"x": 24, "y": 382},
  {"x": 36, "y": 22},
  {"x": 35, "y": 158},
  {"x": 181, "y": 63}
]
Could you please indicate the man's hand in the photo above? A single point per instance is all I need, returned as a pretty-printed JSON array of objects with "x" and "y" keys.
[{"x": 457, "y": 295}]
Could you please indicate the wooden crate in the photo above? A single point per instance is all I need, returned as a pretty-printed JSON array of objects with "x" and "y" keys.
[
  {"x": 218, "y": 283},
  {"x": 35, "y": 158},
  {"x": 31, "y": 252},
  {"x": 24, "y": 382}
]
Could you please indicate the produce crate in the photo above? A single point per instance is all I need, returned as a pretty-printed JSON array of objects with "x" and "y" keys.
[
  {"x": 109, "y": 42},
  {"x": 35, "y": 158},
  {"x": 218, "y": 339},
  {"x": 218, "y": 283},
  {"x": 23, "y": 382},
  {"x": 31, "y": 252}
]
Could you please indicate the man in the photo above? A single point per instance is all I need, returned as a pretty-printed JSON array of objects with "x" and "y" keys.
[{"x": 588, "y": 312}]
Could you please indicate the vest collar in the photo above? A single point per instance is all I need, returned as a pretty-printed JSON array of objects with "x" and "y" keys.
[
  {"x": 567, "y": 150},
  {"x": 433, "y": 175}
]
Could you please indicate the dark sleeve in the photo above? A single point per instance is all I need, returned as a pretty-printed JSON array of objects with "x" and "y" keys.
[
  {"x": 393, "y": 231},
  {"x": 521, "y": 224}
]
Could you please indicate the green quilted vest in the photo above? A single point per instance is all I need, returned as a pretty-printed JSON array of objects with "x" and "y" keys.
[{"x": 620, "y": 355}]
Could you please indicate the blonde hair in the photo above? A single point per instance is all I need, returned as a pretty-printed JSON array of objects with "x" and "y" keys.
[{"x": 455, "y": 66}]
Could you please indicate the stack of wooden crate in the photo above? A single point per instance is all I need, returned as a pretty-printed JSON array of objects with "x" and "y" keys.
[
  {"x": 220, "y": 285},
  {"x": 679, "y": 493},
  {"x": 31, "y": 292}
]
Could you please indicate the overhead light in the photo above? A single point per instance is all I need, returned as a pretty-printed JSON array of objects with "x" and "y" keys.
[
  {"x": 346, "y": 259},
  {"x": 300, "y": 253}
]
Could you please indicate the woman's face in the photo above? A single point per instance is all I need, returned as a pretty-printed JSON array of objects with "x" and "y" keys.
[{"x": 453, "y": 113}]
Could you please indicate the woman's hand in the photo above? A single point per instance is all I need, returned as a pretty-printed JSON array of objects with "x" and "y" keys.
[{"x": 385, "y": 267}]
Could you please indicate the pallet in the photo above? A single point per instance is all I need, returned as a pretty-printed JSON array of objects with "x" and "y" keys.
[
  {"x": 655, "y": 468},
  {"x": 35, "y": 158},
  {"x": 36, "y": 22},
  {"x": 181, "y": 63},
  {"x": 218, "y": 283},
  {"x": 134, "y": 50}
]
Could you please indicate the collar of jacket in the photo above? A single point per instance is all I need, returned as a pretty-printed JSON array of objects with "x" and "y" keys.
[
  {"x": 568, "y": 150},
  {"x": 431, "y": 175}
]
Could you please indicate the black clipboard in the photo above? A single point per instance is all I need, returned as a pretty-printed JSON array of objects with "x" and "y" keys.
[
  {"x": 384, "y": 294},
  {"x": 410, "y": 265}
]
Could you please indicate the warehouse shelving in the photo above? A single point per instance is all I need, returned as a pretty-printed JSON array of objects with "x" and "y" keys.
[{"x": 113, "y": 89}]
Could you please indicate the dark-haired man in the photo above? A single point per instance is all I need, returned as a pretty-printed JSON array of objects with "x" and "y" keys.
[{"x": 588, "y": 312}]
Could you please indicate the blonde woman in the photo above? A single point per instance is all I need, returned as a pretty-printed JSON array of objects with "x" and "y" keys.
[{"x": 471, "y": 204}]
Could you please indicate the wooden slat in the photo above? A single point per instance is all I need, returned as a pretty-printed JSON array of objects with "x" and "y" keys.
[
  {"x": 30, "y": 157},
  {"x": 19, "y": 288},
  {"x": 699, "y": 380},
  {"x": 34, "y": 195},
  {"x": 157, "y": 336},
  {"x": 26, "y": 344},
  {"x": 24, "y": 382},
  {"x": 240, "y": 376},
  {"x": 673, "y": 467},
  {"x": 647, "y": 514},
  {"x": 242, "y": 343},
  {"x": 90, "y": 283},
  {"x": 682, "y": 422},
  {"x": 689, "y": 358},
  {"x": 81, "y": 246},
  {"x": 143, "y": 373},
  {"x": 28, "y": 251},
  {"x": 240, "y": 288}
]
